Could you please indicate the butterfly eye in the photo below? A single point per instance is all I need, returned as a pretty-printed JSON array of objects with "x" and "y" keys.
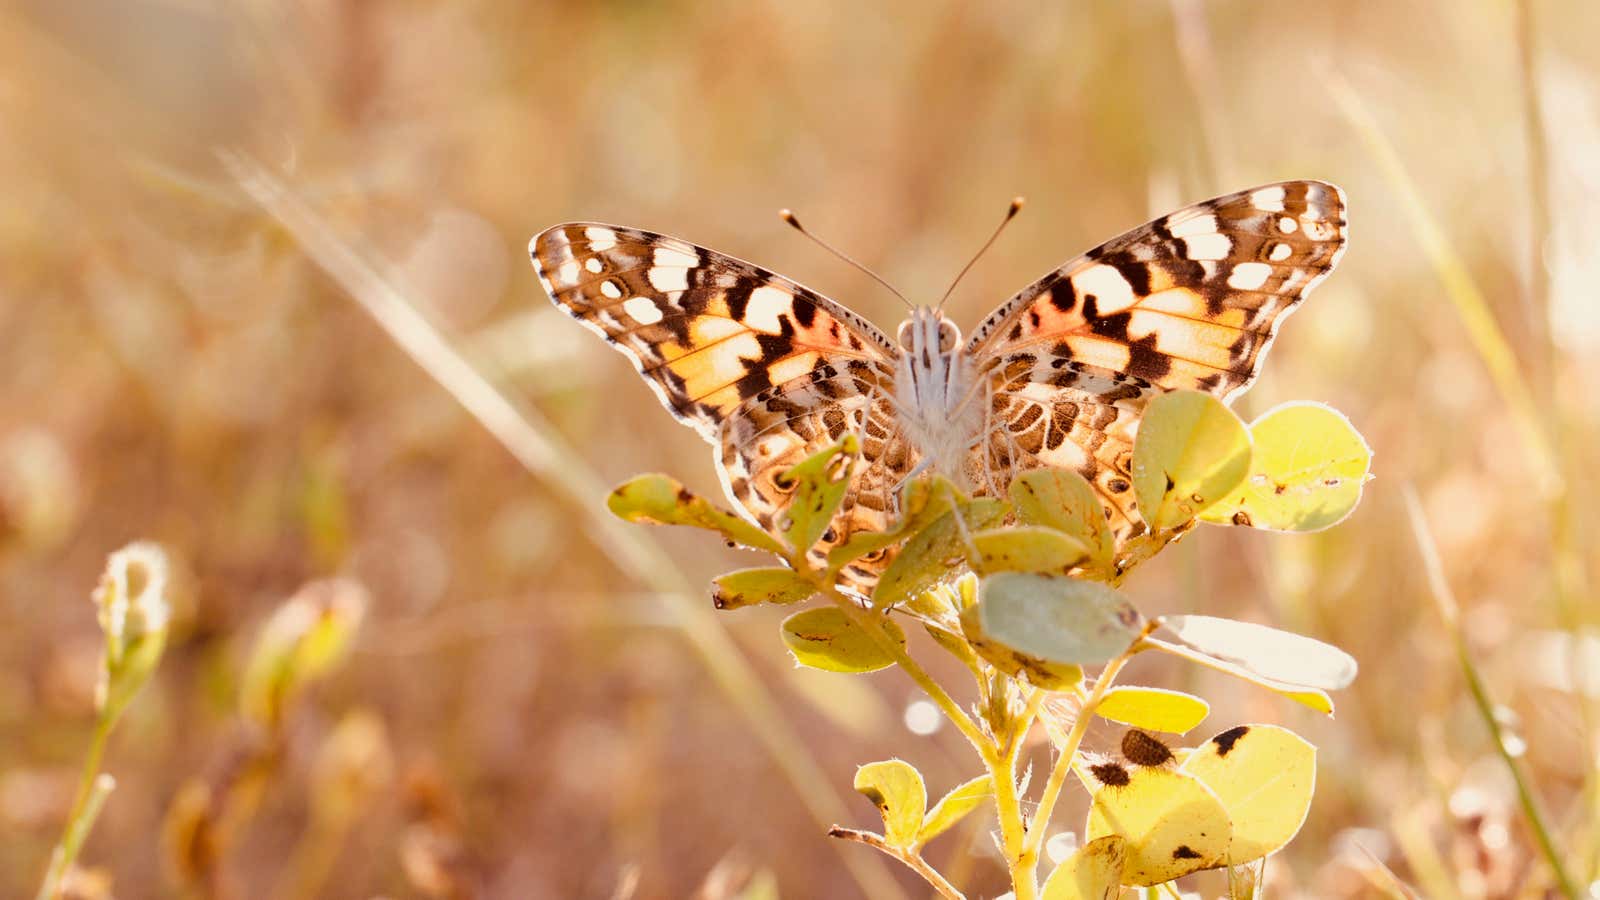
[
  {"x": 949, "y": 336},
  {"x": 903, "y": 336}
]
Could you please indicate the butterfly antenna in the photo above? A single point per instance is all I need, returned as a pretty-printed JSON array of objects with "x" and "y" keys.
[
  {"x": 788, "y": 217},
  {"x": 1011, "y": 213}
]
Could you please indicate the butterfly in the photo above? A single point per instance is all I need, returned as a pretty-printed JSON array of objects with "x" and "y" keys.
[{"x": 770, "y": 372}]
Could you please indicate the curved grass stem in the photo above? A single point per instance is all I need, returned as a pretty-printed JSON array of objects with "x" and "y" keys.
[{"x": 93, "y": 789}]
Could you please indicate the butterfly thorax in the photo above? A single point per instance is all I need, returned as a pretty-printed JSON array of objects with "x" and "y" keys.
[{"x": 935, "y": 393}]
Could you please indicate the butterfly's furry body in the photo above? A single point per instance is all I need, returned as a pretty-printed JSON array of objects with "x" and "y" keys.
[{"x": 769, "y": 371}]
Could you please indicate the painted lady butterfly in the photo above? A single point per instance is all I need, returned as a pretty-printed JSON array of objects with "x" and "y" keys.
[{"x": 770, "y": 372}]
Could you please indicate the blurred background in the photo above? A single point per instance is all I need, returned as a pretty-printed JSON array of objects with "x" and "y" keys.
[{"x": 550, "y": 709}]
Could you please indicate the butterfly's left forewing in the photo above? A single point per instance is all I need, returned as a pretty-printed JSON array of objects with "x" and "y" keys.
[
  {"x": 1189, "y": 301},
  {"x": 762, "y": 367}
]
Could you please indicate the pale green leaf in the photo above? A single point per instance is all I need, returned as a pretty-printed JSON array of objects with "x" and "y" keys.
[
  {"x": 1057, "y": 619},
  {"x": 897, "y": 789},
  {"x": 1311, "y": 697},
  {"x": 1306, "y": 474},
  {"x": 1051, "y": 676},
  {"x": 1154, "y": 709},
  {"x": 747, "y": 587},
  {"x": 825, "y": 638},
  {"x": 1191, "y": 452},
  {"x": 1276, "y": 655},
  {"x": 660, "y": 500}
]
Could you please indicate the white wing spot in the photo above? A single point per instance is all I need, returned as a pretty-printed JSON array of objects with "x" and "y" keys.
[
  {"x": 593, "y": 264},
  {"x": 610, "y": 289},
  {"x": 671, "y": 256},
  {"x": 1249, "y": 276},
  {"x": 600, "y": 238},
  {"x": 1268, "y": 199},
  {"x": 642, "y": 310},
  {"x": 567, "y": 272},
  {"x": 669, "y": 278},
  {"x": 1206, "y": 224},
  {"x": 766, "y": 304},
  {"x": 1207, "y": 246},
  {"x": 1279, "y": 252},
  {"x": 1111, "y": 291},
  {"x": 1288, "y": 225}
]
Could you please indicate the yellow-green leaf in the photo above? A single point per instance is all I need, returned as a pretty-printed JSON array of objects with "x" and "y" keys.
[
  {"x": 1306, "y": 474},
  {"x": 1276, "y": 655},
  {"x": 303, "y": 641},
  {"x": 820, "y": 482},
  {"x": 934, "y": 552},
  {"x": 1063, "y": 500},
  {"x": 746, "y": 587},
  {"x": 1172, "y": 822},
  {"x": 1191, "y": 452},
  {"x": 1154, "y": 709},
  {"x": 1092, "y": 872},
  {"x": 1056, "y": 619},
  {"x": 1029, "y": 548},
  {"x": 896, "y": 788},
  {"x": 1265, "y": 776},
  {"x": 660, "y": 500},
  {"x": 825, "y": 638},
  {"x": 953, "y": 806}
]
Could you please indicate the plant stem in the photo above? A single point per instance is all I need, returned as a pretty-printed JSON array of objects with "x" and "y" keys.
[
  {"x": 1069, "y": 750},
  {"x": 91, "y": 795},
  {"x": 912, "y": 859},
  {"x": 872, "y": 624},
  {"x": 1013, "y": 833}
]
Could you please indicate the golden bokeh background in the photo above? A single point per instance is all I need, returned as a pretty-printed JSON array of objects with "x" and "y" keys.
[{"x": 177, "y": 368}]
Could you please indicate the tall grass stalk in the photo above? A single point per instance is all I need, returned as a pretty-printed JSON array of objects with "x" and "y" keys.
[{"x": 1450, "y": 612}]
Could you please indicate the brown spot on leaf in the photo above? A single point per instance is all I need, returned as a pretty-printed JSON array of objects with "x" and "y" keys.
[
  {"x": 1184, "y": 851},
  {"x": 1227, "y": 739}
]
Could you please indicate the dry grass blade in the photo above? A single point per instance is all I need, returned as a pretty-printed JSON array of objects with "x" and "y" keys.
[
  {"x": 535, "y": 443},
  {"x": 1468, "y": 301},
  {"x": 1384, "y": 879},
  {"x": 1450, "y": 612}
]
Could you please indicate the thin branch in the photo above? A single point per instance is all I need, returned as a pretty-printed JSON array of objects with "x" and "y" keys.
[
  {"x": 1069, "y": 749},
  {"x": 913, "y": 860}
]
